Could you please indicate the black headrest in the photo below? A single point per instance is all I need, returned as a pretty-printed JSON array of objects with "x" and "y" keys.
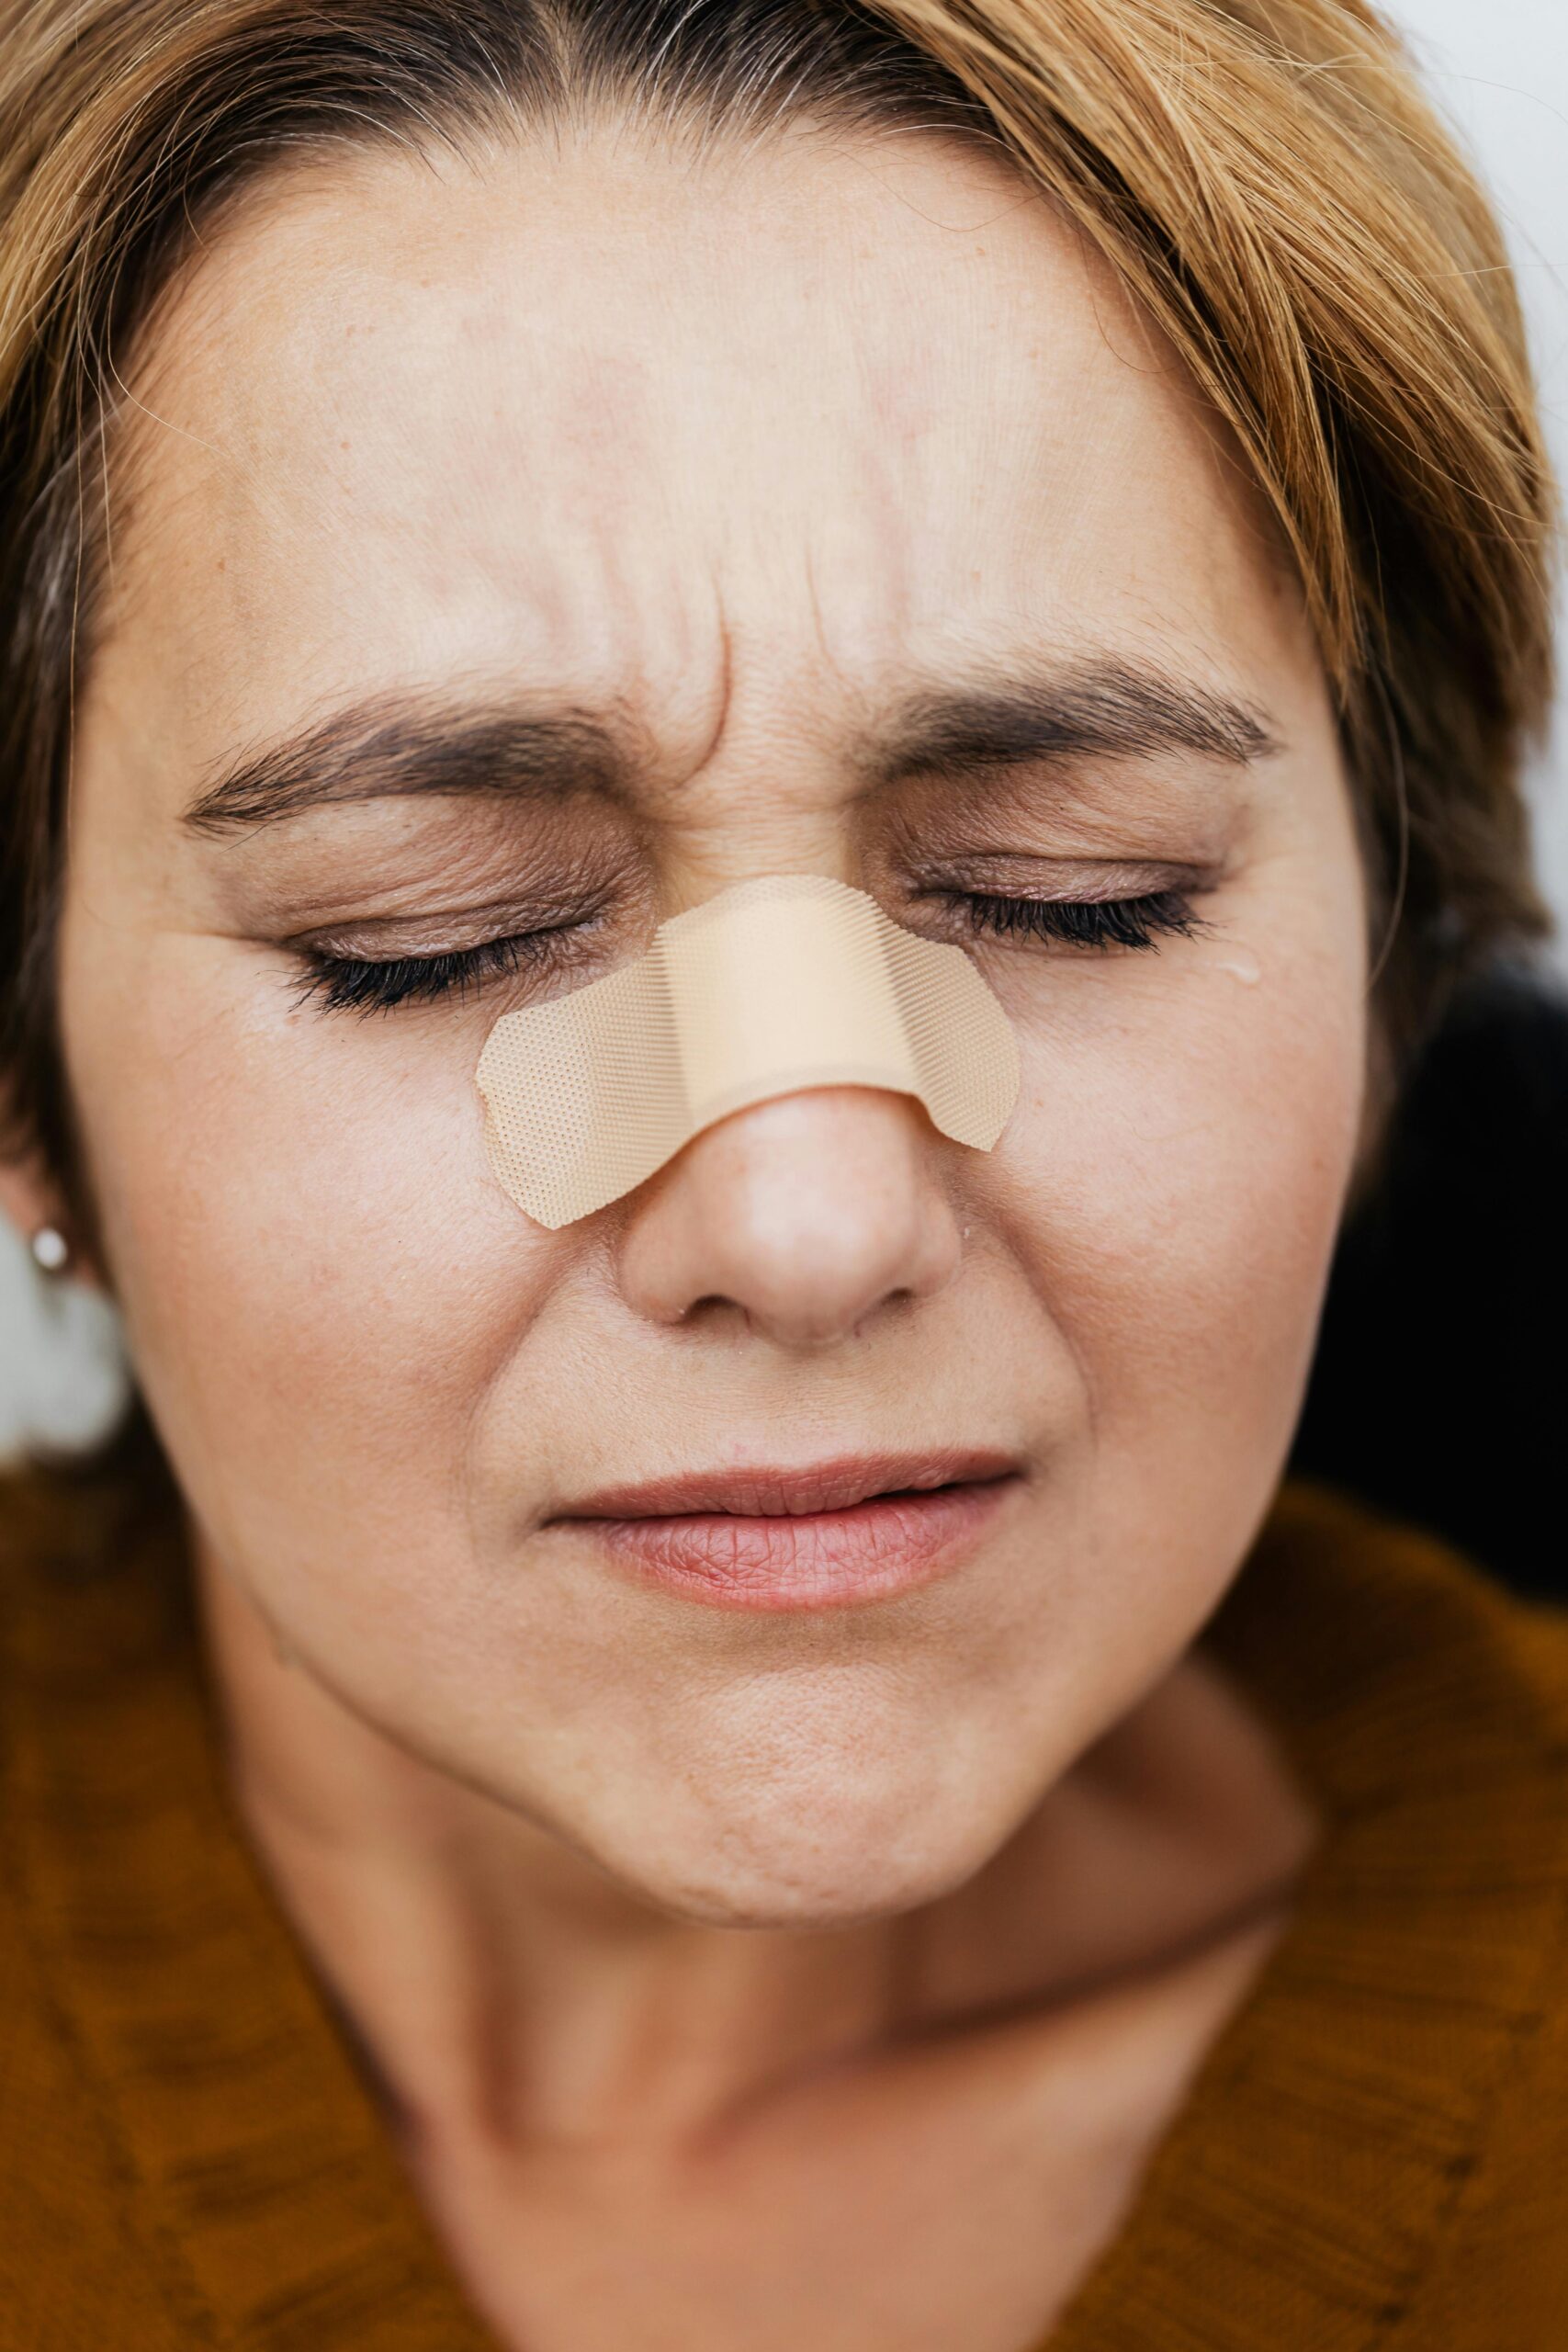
[{"x": 1440, "y": 1387}]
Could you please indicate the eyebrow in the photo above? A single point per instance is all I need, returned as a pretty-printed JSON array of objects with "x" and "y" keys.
[
  {"x": 402, "y": 746},
  {"x": 1107, "y": 708},
  {"x": 398, "y": 746}
]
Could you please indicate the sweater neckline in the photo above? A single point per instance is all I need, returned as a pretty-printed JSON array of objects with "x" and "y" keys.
[{"x": 1297, "y": 2199}]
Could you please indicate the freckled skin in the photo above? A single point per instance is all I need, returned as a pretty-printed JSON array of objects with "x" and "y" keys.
[{"x": 738, "y": 444}]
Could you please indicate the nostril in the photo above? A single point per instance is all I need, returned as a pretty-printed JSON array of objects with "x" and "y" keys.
[
  {"x": 805, "y": 1216},
  {"x": 709, "y": 1307}
]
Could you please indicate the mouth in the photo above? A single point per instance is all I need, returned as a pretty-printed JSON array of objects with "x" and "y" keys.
[{"x": 824, "y": 1535}]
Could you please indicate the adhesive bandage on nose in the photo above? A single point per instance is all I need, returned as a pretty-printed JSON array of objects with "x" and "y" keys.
[{"x": 785, "y": 983}]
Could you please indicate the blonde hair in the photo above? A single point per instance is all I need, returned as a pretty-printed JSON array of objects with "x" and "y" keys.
[{"x": 1265, "y": 174}]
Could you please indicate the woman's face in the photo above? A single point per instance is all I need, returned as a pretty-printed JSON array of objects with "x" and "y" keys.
[{"x": 544, "y": 549}]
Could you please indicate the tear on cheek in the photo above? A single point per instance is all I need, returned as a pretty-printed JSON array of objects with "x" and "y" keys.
[{"x": 1239, "y": 963}]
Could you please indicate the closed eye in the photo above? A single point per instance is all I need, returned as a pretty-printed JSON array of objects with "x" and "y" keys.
[
  {"x": 1136, "y": 922},
  {"x": 361, "y": 984}
]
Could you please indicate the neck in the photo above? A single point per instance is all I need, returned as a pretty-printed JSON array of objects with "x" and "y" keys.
[{"x": 499, "y": 1982}]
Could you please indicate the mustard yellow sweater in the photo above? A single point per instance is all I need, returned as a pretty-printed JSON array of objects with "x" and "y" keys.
[{"x": 1374, "y": 2157}]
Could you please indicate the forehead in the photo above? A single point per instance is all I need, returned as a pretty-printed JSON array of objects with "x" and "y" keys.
[{"x": 586, "y": 412}]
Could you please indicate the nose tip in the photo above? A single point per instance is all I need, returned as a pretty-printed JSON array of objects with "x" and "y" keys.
[{"x": 806, "y": 1215}]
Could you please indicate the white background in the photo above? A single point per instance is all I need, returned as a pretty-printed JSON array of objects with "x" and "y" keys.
[{"x": 1499, "y": 69}]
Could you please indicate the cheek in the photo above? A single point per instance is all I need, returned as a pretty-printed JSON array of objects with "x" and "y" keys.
[
  {"x": 316, "y": 1271},
  {"x": 1187, "y": 1136}
]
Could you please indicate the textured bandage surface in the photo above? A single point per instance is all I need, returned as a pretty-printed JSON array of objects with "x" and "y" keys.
[{"x": 781, "y": 984}]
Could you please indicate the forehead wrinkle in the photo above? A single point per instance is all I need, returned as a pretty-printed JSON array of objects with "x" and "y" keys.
[
  {"x": 861, "y": 543},
  {"x": 188, "y": 317}
]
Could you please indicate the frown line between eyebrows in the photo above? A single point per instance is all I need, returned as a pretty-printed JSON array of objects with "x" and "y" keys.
[{"x": 396, "y": 747}]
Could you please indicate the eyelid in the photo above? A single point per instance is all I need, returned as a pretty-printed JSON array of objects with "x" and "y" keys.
[
  {"x": 1121, "y": 918},
  {"x": 397, "y": 938},
  {"x": 372, "y": 984},
  {"x": 1064, "y": 881},
  {"x": 335, "y": 971},
  {"x": 1095, "y": 926},
  {"x": 437, "y": 916}
]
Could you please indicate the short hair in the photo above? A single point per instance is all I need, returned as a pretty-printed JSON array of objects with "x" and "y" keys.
[{"x": 1265, "y": 175}]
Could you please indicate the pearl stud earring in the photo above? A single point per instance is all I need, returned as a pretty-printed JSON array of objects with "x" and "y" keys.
[{"x": 52, "y": 1252}]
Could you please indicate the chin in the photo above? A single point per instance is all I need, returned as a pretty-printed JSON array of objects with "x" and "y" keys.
[{"x": 832, "y": 1870}]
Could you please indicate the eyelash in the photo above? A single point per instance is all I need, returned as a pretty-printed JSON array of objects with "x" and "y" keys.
[
  {"x": 350, "y": 984},
  {"x": 1084, "y": 923}
]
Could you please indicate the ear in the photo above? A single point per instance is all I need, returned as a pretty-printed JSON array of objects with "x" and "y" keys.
[
  {"x": 30, "y": 1198},
  {"x": 26, "y": 1198}
]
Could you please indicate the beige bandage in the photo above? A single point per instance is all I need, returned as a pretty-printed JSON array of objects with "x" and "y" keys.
[{"x": 781, "y": 984}]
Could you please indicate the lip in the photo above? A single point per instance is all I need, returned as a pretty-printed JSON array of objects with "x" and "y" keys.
[{"x": 823, "y": 1535}]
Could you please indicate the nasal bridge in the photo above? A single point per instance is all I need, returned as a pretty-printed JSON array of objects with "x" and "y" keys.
[{"x": 783, "y": 983}]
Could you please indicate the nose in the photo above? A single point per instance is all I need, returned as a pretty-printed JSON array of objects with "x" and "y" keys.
[{"x": 805, "y": 1214}]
